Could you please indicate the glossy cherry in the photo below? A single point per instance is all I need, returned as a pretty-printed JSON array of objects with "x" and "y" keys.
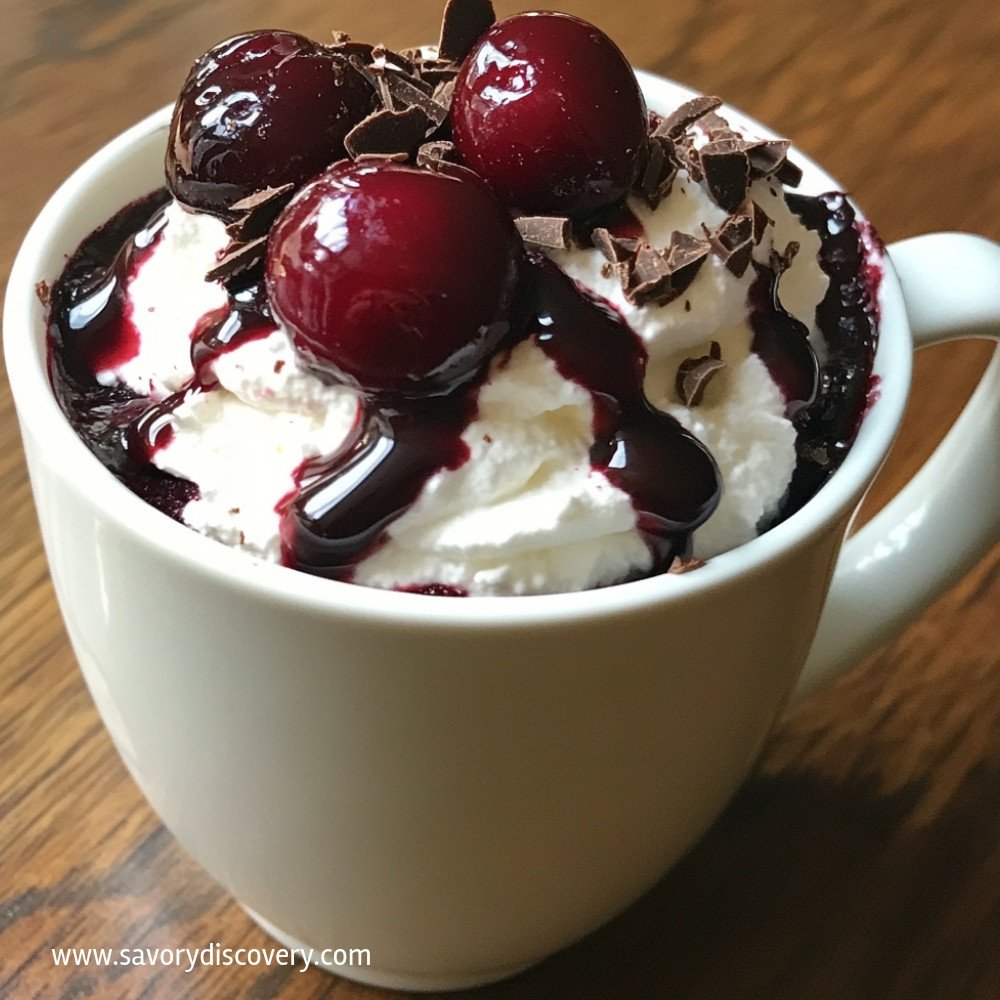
[
  {"x": 394, "y": 278},
  {"x": 260, "y": 110},
  {"x": 548, "y": 110}
]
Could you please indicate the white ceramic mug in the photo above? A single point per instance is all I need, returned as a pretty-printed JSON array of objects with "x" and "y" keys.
[{"x": 464, "y": 786}]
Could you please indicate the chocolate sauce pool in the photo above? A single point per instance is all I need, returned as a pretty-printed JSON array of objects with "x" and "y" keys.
[{"x": 342, "y": 504}]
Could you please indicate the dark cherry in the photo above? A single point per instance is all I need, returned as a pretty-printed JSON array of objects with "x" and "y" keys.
[
  {"x": 261, "y": 110},
  {"x": 393, "y": 278},
  {"x": 548, "y": 110}
]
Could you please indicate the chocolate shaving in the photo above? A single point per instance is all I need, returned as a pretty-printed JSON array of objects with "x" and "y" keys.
[
  {"x": 766, "y": 156},
  {"x": 658, "y": 170},
  {"x": 358, "y": 54},
  {"x": 463, "y": 23},
  {"x": 407, "y": 92},
  {"x": 257, "y": 212},
  {"x": 616, "y": 248},
  {"x": 686, "y": 156},
  {"x": 684, "y": 564},
  {"x": 381, "y": 157},
  {"x": 735, "y": 231},
  {"x": 733, "y": 243},
  {"x": 443, "y": 92},
  {"x": 361, "y": 55},
  {"x": 716, "y": 127},
  {"x": 739, "y": 259},
  {"x": 694, "y": 374},
  {"x": 400, "y": 82},
  {"x": 266, "y": 196},
  {"x": 238, "y": 258},
  {"x": 677, "y": 122},
  {"x": 660, "y": 276},
  {"x": 376, "y": 80},
  {"x": 433, "y": 154},
  {"x": 388, "y": 133},
  {"x": 381, "y": 85},
  {"x": 547, "y": 232},
  {"x": 432, "y": 69},
  {"x": 44, "y": 292},
  {"x": 650, "y": 267},
  {"x": 623, "y": 272},
  {"x": 726, "y": 167},
  {"x": 383, "y": 58},
  {"x": 789, "y": 174}
]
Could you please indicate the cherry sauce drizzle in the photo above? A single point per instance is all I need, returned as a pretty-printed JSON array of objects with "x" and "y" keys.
[
  {"x": 782, "y": 343},
  {"x": 248, "y": 317},
  {"x": 347, "y": 500},
  {"x": 848, "y": 318},
  {"x": 89, "y": 325},
  {"x": 343, "y": 503}
]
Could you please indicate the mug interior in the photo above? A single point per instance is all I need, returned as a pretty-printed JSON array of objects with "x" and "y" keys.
[{"x": 131, "y": 166}]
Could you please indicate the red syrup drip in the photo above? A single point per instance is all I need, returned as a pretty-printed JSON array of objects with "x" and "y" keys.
[
  {"x": 670, "y": 476},
  {"x": 246, "y": 318},
  {"x": 782, "y": 343},
  {"x": 88, "y": 309},
  {"x": 587, "y": 340},
  {"x": 348, "y": 500},
  {"x": 101, "y": 334},
  {"x": 848, "y": 318}
]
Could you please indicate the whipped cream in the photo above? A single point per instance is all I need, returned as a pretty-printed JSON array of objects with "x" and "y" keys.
[
  {"x": 243, "y": 441},
  {"x": 526, "y": 513},
  {"x": 171, "y": 301}
]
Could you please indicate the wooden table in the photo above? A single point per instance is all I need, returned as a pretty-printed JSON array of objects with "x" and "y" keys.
[{"x": 862, "y": 859}]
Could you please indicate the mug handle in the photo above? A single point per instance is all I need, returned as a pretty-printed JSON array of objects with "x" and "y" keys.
[{"x": 898, "y": 563}]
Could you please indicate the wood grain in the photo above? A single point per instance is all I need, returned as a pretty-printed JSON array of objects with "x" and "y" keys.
[{"x": 862, "y": 859}]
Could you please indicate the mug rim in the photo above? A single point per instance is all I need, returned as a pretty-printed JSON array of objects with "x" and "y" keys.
[{"x": 25, "y": 348}]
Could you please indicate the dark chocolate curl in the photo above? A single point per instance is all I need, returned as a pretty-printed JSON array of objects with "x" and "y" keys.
[
  {"x": 675, "y": 124},
  {"x": 694, "y": 374},
  {"x": 388, "y": 133},
  {"x": 733, "y": 243},
  {"x": 238, "y": 258},
  {"x": 547, "y": 232},
  {"x": 463, "y": 24},
  {"x": 615, "y": 248},
  {"x": 726, "y": 167},
  {"x": 660, "y": 276},
  {"x": 433, "y": 154},
  {"x": 257, "y": 213},
  {"x": 658, "y": 169}
]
